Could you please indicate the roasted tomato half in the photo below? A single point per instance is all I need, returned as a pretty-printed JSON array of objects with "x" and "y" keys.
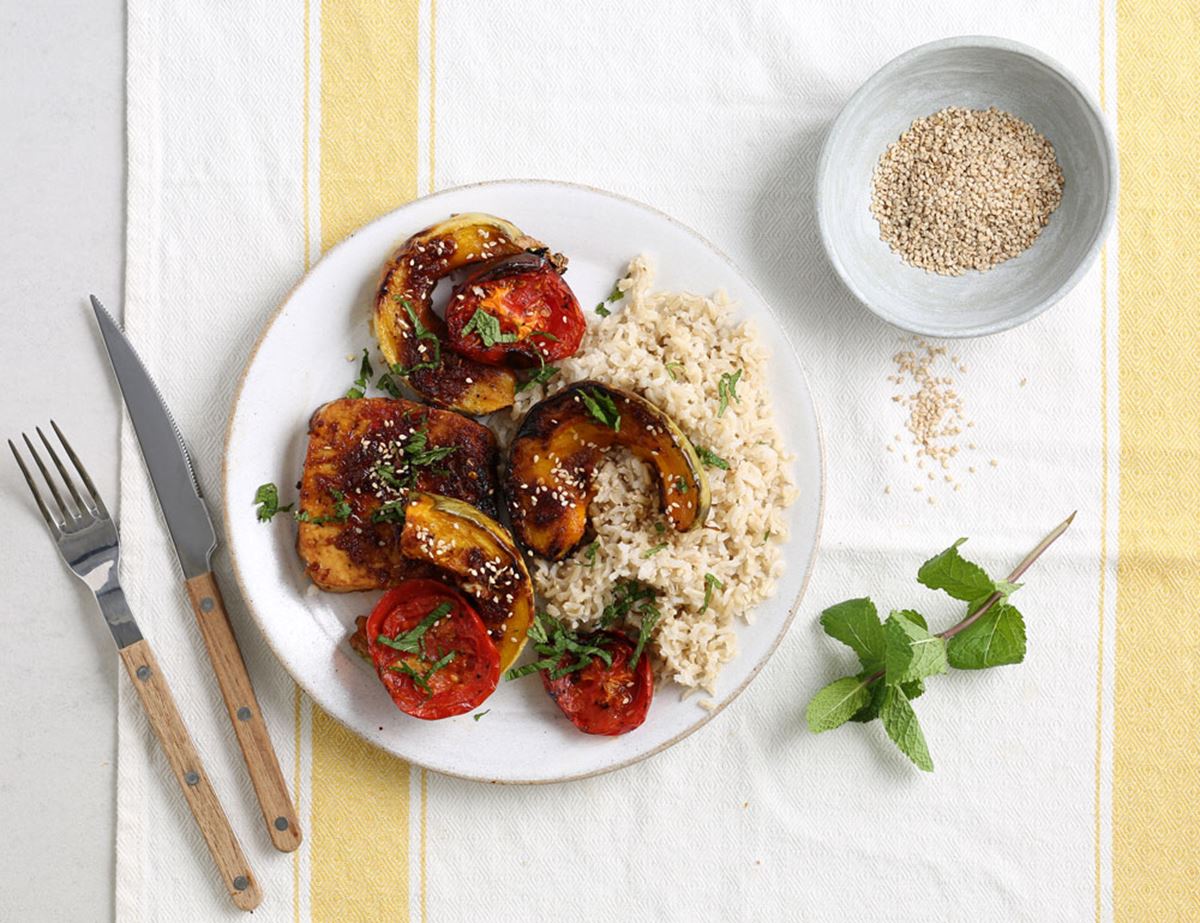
[
  {"x": 431, "y": 650},
  {"x": 515, "y": 311},
  {"x": 602, "y": 699}
]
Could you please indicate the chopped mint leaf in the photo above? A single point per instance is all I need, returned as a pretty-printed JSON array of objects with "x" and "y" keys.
[
  {"x": 650, "y": 617},
  {"x": 422, "y": 333},
  {"x": 364, "y": 376},
  {"x": 540, "y": 377},
  {"x": 711, "y": 458},
  {"x": 267, "y": 498},
  {"x": 602, "y": 408},
  {"x": 711, "y": 583},
  {"x": 480, "y": 714},
  {"x": 488, "y": 329},
  {"x": 727, "y": 390}
]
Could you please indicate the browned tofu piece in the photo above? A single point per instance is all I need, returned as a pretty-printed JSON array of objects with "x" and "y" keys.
[{"x": 364, "y": 455}]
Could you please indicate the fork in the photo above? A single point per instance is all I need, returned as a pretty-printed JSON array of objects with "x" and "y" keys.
[{"x": 87, "y": 538}]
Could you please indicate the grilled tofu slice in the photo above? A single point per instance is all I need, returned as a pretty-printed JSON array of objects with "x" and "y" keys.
[{"x": 364, "y": 455}]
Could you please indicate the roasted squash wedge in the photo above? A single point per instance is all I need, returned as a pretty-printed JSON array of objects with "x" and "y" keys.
[
  {"x": 480, "y": 557},
  {"x": 552, "y": 463},
  {"x": 413, "y": 338}
]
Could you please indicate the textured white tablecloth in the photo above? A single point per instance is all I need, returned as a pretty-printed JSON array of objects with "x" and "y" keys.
[{"x": 715, "y": 114}]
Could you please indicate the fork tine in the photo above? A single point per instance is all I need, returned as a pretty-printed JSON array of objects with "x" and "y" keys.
[
  {"x": 67, "y": 517},
  {"x": 63, "y": 473},
  {"x": 55, "y": 527},
  {"x": 87, "y": 481}
]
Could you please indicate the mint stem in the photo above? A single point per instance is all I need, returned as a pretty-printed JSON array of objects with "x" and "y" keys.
[{"x": 1025, "y": 564}]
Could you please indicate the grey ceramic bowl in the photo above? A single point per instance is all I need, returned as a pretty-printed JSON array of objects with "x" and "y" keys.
[{"x": 975, "y": 72}]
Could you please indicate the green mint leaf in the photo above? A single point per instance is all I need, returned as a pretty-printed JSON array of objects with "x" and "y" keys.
[
  {"x": 653, "y": 550},
  {"x": 412, "y": 674},
  {"x": 727, "y": 390},
  {"x": 364, "y": 376},
  {"x": 602, "y": 311},
  {"x": 711, "y": 582},
  {"x": 616, "y": 294},
  {"x": 488, "y": 328},
  {"x": 602, "y": 408},
  {"x": 423, "y": 333},
  {"x": 997, "y": 638},
  {"x": 711, "y": 458},
  {"x": 540, "y": 377},
  {"x": 914, "y": 688},
  {"x": 389, "y": 384},
  {"x": 650, "y": 617},
  {"x": 900, "y": 722},
  {"x": 1007, "y": 589},
  {"x": 856, "y": 624},
  {"x": 951, "y": 572},
  {"x": 836, "y": 703},
  {"x": 480, "y": 714},
  {"x": 870, "y": 711},
  {"x": 267, "y": 498},
  {"x": 910, "y": 651}
]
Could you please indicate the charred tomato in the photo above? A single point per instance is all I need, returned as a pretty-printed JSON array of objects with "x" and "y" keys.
[
  {"x": 603, "y": 698},
  {"x": 515, "y": 311},
  {"x": 431, "y": 650}
]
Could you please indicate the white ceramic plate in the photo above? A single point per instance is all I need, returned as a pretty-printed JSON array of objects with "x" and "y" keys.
[{"x": 300, "y": 363}]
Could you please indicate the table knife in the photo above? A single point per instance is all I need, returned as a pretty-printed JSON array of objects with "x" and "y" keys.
[{"x": 195, "y": 539}]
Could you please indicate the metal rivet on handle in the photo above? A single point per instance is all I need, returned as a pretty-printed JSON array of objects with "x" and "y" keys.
[
  {"x": 241, "y": 883},
  {"x": 243, "y": 713},
  {"x": 281, "y": 823},
  {"x": 206, "y": 604},
  {"x": 192, "y": 778},
  {"x": 143, "y": 673}
]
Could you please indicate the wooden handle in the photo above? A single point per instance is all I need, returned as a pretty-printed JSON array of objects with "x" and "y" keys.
[
  {"x": 168, "y": 724},
  {"x": 273, "y": 796}
]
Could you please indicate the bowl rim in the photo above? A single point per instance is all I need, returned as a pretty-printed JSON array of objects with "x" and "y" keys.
[{"x": 881, "y": 76}]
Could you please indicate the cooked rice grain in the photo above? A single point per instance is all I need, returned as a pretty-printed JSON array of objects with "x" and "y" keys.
[{"x": 631, "y": 350}]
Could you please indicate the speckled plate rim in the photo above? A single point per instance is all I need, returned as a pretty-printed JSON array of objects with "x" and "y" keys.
[
  {"x": 753, "y": 672},
  {"x": 881, "y": 76}
]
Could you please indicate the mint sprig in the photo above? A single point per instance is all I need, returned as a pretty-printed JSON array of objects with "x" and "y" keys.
[{"x": 898, "y": 654}]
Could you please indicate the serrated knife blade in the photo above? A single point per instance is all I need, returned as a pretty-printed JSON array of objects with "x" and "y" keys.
[{"x": 165, "y": 454}]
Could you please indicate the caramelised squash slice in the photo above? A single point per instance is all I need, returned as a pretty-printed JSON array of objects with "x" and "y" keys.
[
  {"x": 552, "y": 463},
  {"x": 413, "y": 338},
  {"x": 479, "y": 555},
  {"x": 364, "y": 455}
]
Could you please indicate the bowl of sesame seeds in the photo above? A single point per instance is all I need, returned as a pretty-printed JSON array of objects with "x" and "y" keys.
[{"x": 966, "y": 187}]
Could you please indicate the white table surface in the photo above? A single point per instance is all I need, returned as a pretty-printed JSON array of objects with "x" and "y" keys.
[{"x": 62, "y": 156}]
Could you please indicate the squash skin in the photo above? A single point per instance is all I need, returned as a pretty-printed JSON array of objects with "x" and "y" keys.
[
  {"x": 480, "y": 558},
  {"x": 409, "y": 278},
  {"x": 552, "y": 462}
]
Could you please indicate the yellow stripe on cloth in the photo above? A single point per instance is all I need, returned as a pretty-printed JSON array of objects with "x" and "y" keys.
[
  {"x": 368, "y": 165},
  {"x": 369, "y": 79},
  {"x": 1156, "y": 760}
]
